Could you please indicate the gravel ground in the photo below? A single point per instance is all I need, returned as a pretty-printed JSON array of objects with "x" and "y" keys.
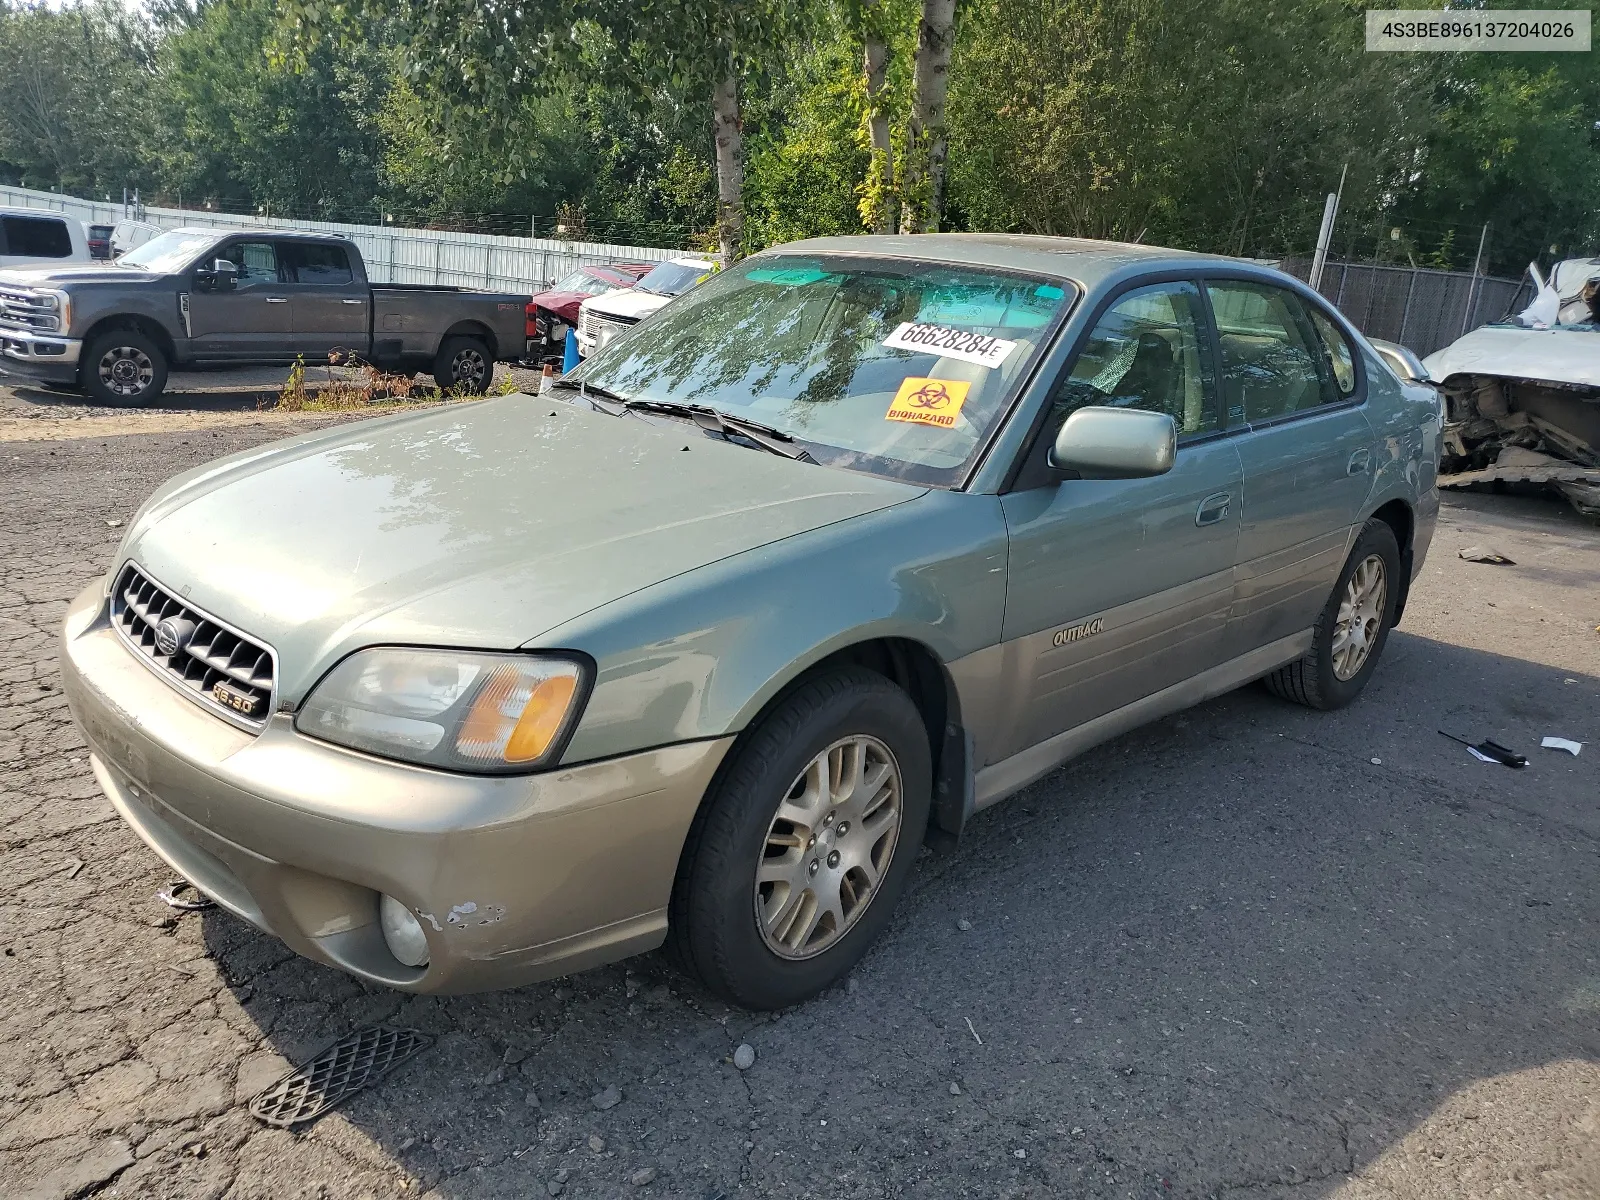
[
  {"x": 1248, "y": 950},
  {"x": 221, "y": 398}
]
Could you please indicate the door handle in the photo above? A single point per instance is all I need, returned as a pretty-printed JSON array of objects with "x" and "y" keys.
[
  {"x": 1212, "y": 509},
  {"x": 277, "y": 299},
  {"x": 1359, "y": 462},
  {"x": 352, "y": 302}
]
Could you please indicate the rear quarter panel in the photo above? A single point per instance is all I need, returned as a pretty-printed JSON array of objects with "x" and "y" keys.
[{"x": 1408, "y": 422}]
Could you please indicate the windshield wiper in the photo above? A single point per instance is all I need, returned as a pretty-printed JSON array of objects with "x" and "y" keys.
[
  {"x": 774, "y": 441},
  {"x": 594, "y": 393}
]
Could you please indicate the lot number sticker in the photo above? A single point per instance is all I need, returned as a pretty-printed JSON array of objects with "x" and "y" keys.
[
  {"x": 980, "y": 348},
  {"x": 924, "y": 401}
]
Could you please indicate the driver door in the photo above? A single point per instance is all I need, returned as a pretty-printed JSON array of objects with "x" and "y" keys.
[
  {"x": 249, "y": 321},
  {"x": 1118, "y": 588}
]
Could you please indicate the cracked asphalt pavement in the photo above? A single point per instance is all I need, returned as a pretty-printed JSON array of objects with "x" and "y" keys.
[{"x": 1248, "y": 950}]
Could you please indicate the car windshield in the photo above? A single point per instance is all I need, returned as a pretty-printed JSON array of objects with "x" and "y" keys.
[
  {"x": 891, "y": 367},
  {"x": 672, "y": 278},
  {"x": 168, "y": 253},
  {"x": 584, "y": 279}
]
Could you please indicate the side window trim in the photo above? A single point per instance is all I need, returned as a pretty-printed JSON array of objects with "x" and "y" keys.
[
  {"x": 1358, "y": 394},
  {"x": 1028, "y": 471},
  {"x": 289, "y": 252}
]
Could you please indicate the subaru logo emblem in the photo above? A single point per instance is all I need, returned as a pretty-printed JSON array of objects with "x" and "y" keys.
[{"x": 172, "y": 635}]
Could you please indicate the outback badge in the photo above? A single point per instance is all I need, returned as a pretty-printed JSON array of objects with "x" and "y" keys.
[
  {"x": 239, "y": 700},
  {"x": 1075, "y": 634}
]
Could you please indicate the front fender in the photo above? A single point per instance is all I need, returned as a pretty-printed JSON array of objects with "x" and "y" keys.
[{"x": 700, "y": 655}]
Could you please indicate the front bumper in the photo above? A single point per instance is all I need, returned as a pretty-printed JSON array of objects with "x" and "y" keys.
[
  {"x": 39, "y": 356},
  {"x": 515, "y": 879}
]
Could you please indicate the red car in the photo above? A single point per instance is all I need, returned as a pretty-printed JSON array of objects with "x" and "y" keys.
[{"x": 552, "y": 312}]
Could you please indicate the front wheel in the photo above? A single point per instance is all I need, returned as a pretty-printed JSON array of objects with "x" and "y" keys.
[
  {"x": 463, "y": 365},
  {"x": 121, "y": 367},
  {"x": 1353, "y": 627},
  {"x": 797, "y": 858}
]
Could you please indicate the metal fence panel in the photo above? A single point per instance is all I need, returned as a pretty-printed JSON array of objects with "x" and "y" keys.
[
  {"x": 1419, "y": 308},
  {"x": 394, "y": 255}
]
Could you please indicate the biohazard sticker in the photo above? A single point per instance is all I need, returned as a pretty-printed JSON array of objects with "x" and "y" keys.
[
  {"x": 924, "y": 401},
  {"x": 982, "y": 348}
]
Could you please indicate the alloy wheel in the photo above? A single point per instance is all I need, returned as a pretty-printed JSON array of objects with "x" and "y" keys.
[
  {"x": 469, "y": 367},
  {"x": 126, "y": 371},
  {"x": 1360, "y": 617},
  {"x": 828, "y": 847}
]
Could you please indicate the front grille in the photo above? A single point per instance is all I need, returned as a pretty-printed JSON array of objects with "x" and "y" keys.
[
  {"x": 594, "y": 322},
  {"x": 22, "y": 309},
  {"x": 209, "y": 652}
]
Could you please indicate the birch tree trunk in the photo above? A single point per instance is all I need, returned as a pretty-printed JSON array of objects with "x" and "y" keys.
[
  {"x": 725, "y": 127},
  {"x": 879, "y": 206},
  {"x": 926, "y": 143}
]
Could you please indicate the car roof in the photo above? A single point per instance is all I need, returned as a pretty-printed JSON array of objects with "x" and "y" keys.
[
  {"x": 35, "y": 212},
  {"x": 250, "y": 231},
  {"x": 1083, "y": 259}
]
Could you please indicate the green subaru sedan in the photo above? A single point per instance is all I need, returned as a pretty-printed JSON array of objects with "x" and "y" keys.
[{"x": 855, "y": 539}]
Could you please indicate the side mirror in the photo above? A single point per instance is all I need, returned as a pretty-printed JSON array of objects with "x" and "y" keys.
[
  {"x": 1115, "y": 443},
  {"x": 220, "y": 275}
]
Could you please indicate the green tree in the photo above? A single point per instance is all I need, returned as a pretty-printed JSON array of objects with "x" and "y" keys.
[
  {"x": 76, "y": 96},
  {"x": 1195, "y": 123},
  {"x": 1513, "y": 144},
  {"x": 246, "y": 131}
]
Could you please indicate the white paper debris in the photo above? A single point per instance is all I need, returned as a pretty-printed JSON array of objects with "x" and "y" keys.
[
  {"x": 1478, "y": 754},
  {"x": 1555, "y": 743}
]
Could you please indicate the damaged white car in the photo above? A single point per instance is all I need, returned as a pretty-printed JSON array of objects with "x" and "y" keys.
[{"x": 1522, "y": 397}]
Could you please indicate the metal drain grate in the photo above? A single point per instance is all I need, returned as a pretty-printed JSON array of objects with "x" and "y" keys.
[{"x": 347, "y": 1066}]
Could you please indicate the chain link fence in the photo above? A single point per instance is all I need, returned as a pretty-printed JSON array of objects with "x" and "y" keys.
[{"x": 1422, "y": 309}]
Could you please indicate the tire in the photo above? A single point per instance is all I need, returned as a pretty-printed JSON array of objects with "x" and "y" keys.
[
  {"x": 123, "y": 367},
  {"x": 720, "y": 908},
  {"x": 1315, "y": 680},
  {"x": 463, "y": 364}
]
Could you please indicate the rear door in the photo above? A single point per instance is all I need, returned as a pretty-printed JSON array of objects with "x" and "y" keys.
[
  {"x": 1307, "y": 454},
  {"x": 1118, "y": 588},
  {"x": 249, "y": 320},
  {"x": 329, "y": 302}
]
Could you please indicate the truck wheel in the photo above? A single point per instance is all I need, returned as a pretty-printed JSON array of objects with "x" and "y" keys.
[
  {"x": 123, "y": 366},
  {"x": 464, "y": 365},
  {"x": 799, "y": 853},
  {"x": 1352, "y": 629}
]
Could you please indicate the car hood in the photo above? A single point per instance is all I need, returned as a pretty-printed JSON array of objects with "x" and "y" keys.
[
  {"x": 1559, "y": 355},
  {"x": 478, "y": 526},
  {"x": 564, "y": 304},
  {"x": 49, "y": 275},
  {"x": 633, "y": 302}
]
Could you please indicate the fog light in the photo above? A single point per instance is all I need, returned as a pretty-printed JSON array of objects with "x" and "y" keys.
[{"x": 402, "y": 932}]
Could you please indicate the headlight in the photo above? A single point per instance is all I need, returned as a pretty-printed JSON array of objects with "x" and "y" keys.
[
  {"x": 63, "y": 307},
  {"x": 484, "y": 713}
]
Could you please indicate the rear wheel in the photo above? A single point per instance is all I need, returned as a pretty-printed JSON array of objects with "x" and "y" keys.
[
  {"x": 464, "y": 364},
  {"x": 797, "y": 858},
  {"x": 1353, "y": 627},
  {"x": 123, "y": 366}
]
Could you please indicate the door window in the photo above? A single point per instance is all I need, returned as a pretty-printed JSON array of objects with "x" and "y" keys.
[
  {"x": 1341, "y": 360},
  {"x": 257, "y": 262},
  {"x": 1144, "y": 353},
  {"x": 37, "y": 237},
  {"x": 1269, "y": 352},
  {"x": 314, "y": 263}
]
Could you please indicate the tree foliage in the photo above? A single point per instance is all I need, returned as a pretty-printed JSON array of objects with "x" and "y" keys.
[{"x": 1212, "y": 124}]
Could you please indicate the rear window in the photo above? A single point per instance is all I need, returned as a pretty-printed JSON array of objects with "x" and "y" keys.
[
  {"x": 37, "y": 237},
  {"x": 310, "y": 262}
]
